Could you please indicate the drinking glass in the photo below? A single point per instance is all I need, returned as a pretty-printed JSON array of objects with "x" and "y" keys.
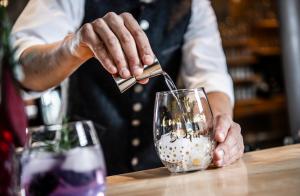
[
  {"x": 183, "y": 129},
  {"x": 64, "y": 159}
]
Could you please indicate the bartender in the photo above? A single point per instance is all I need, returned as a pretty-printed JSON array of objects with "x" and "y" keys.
[{"x": 89, "y": 40}]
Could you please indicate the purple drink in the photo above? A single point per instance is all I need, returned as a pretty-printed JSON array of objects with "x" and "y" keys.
[{"x": 78, "y": 171}]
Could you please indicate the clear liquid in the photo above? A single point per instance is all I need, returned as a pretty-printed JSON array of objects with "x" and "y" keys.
[
  {"x": 172, "y": 87},
  {"x": 170, "y": 83}
]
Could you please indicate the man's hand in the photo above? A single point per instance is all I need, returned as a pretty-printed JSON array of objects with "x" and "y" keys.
[
  {"x": 117, "y": 41},
  {"x": 231, "y": 145}
]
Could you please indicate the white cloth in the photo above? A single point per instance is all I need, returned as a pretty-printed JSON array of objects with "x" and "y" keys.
[{"x": 204, "y": 64}]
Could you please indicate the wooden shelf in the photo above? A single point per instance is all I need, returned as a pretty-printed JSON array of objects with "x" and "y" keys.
[
  {"x": 249, "y": 80},
  {"x": 247, "y": 108},
  {"x": 267, "y": 51},
  {"x": 242, "y": 42},
  {"x": 267, "y": 24},
  {"x": 243, "y": 60}
]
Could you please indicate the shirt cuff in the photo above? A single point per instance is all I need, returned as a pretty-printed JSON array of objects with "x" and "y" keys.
[
  {"x": 22, "y": 44},
  {"x": 29, "y": 95}
]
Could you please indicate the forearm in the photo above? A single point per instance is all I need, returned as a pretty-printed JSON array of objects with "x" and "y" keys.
[
  {"x": 47, "y": 65},
  {"x": 220, "y": 104}
]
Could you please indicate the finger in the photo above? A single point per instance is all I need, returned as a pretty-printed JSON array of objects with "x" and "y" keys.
[
  {"x": 144, "y": 81},
  {"x": 90, "y": 38},
  {"x": 232, "y": 140},
  {"x": 104, "y": 57},
  {"x": 218, "y": 156},
  {"x": 240, "y": 153},
  {"x": 237, "y": 151},
  {"x": 116, "y": 24},
  {"x": 141, "y": 40},
  {"x": 233, "y": 155},
  {"x": 222, "y": 125},
  {"x": 113, "y": 46}
]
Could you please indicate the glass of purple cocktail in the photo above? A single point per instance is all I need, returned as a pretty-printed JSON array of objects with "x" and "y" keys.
[{"x": 63, "y": 160}]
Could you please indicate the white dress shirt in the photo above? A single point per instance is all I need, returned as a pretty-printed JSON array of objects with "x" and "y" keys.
[{"x": 203, "y": 65}]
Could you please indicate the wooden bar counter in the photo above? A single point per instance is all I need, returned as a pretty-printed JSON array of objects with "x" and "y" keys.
[{"x": 274, "y": 171}]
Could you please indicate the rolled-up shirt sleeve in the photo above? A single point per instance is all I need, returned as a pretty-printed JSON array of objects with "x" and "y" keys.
[
  {"x": 43, "y": 22},
  {"x": 204, "y": 63},
  {"x": 46, "y": 21}
]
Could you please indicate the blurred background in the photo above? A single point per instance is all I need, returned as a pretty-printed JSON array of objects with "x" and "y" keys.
[
  {"x": 251, "y": 34},
  {"x": 251, "y": 40}
]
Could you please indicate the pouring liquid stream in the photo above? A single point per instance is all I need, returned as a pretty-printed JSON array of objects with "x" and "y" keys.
[{"x": 173, "y": 89}]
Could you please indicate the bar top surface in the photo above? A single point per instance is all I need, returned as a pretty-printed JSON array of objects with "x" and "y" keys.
[{"x": 274, "y": 171}]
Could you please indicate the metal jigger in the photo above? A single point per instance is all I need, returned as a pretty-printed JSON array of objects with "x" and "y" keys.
[{"x": 149, "y": 71}]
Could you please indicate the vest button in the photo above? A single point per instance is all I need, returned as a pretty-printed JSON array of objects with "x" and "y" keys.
[
  {"x": 146, "y": 1},
  {"x": 135, "y": 142},
  {"x": 135, "y": 122},
  {"x": 138, "y": 88},
  {"x": 144, "y": 24},
  {"x": 134, "y": 161},
  {"x": 137, "y": 107}
]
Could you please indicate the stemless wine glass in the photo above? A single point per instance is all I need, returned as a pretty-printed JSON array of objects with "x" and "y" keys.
[
  {"x": 183, "y": 129},
  {"x": 64, "y": 159}
]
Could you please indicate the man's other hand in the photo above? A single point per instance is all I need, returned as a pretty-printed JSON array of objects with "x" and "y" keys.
[{"x": 230, "y": 141}]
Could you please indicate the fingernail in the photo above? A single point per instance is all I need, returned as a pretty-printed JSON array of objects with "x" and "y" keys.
[
  {"x": 222, "y": 136},
  {"x": 219, "y": 162},
  {"x": 220, "y": 153},
  {"x": 137, "y": 70},
  {"x": 113, "y": 70},
  {"x": 125, "y": 72},
  {"x": 148, "y": 59}
]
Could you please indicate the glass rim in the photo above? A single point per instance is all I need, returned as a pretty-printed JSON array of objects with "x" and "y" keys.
[
  {"x": 53, "y": 127},
  {"x": 185, "y": 90}
]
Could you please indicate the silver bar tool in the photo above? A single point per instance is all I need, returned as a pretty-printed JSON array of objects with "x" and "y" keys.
[{"x": 149, "y": 71}]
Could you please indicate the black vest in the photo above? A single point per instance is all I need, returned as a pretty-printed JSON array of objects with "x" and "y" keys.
[{"x": 93, "y": 95}]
